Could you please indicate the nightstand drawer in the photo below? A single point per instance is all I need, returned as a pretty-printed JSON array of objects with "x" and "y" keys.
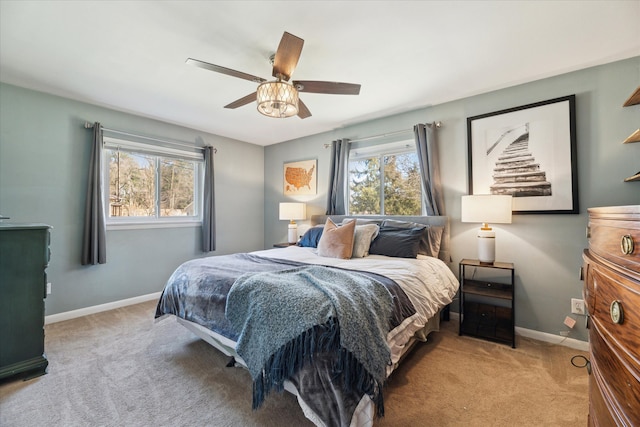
[
  {"x": 479, "y": 313},
  {"x": 487, "y": 320}
]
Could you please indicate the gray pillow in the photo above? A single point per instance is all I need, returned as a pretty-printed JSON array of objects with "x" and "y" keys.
[{"x": 364, "y": 236}]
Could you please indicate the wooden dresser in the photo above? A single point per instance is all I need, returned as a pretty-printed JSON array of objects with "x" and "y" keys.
[
  {"x": 24, "y": 256},
  {"x": 612, "y": 294}
]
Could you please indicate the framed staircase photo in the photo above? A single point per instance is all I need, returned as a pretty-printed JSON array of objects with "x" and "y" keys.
[{"x": 528, "y": 152}]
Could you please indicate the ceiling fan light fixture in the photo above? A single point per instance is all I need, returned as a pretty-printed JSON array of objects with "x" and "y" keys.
[{"x": 277, "y": 99}]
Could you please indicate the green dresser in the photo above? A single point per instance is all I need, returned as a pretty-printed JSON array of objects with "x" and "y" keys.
[{"x": 24, "y": 256}]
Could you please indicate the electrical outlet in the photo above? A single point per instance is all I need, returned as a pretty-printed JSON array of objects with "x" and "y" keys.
[
  {"x": 48, "y": 288},
  {"x": 577, "y": 306}
]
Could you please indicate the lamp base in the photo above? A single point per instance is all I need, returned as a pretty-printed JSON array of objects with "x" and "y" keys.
[
  {"x": 486, "y": 246},
  {"x": 293, "y": 233}
]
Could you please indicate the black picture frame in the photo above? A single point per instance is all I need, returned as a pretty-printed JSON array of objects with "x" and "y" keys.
[{"x": 529, "y": 152}]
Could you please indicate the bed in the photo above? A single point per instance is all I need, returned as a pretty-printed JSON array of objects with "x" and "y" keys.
[{"x": 328, "y": 319}]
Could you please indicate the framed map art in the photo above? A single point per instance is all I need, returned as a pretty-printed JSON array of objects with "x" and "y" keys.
[{"x": 300, "y": 178}]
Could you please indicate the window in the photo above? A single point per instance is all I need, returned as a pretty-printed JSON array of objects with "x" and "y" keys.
[
  {"x": 385, "y": 180},
  {"x": 151, "y": 184}
]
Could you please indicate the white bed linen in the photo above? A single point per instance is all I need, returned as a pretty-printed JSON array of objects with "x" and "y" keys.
[{"x": 428, "y": 283}]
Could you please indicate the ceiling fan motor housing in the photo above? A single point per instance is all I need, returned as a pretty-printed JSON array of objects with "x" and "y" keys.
[{"x": 277, "y": 99}]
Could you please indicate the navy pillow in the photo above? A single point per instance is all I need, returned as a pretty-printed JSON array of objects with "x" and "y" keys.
[
  {"x": 312, "y": 236},
  {"x": 431, "y": 236},
  {"x": 397, "y": 242}
]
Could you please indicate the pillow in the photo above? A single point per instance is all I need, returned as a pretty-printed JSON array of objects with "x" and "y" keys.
[
  {"x": 361, "y": 221},
  {"x": 363, "y": 238},
  {"x": 337, "y": 242},
  {"x": 397, "y": 242},
  {"x": 431, "y": 238},
  {"x": 311, "y": 237},
  {"x": 435, "y": 239}
]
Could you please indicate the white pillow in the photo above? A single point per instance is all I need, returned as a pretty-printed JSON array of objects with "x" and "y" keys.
[{"x": 363, "y": 238}]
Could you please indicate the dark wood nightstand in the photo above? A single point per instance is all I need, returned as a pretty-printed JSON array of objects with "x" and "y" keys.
[
  {"x": 283, "y": 245},
  {"x": 490, "y": 312}
]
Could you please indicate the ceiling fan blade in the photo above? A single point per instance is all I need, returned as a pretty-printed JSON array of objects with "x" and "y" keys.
[
  {"x": 223, "y": 70},
  {"x": 303, "y": 111},
  {"x": 242, "y": 101},
  {"x": 334, "y": 88},
  {"x": 287, "y": 56}
]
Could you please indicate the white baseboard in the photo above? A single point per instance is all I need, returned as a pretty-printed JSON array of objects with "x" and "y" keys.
[
  {"x": 543, "y": 336},
  {"x": 529, "y": 333},
  {"x": 68, "y": 315},
  {"x": 553, "y": 339}
]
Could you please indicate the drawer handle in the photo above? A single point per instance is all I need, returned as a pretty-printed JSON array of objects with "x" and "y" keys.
[
  {"x": 616, "y": 312},
  {"x": 626, "y": 244}
]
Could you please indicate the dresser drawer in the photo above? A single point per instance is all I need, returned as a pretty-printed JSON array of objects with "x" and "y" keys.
[
  {"x": 616, "y": 240},
  {"x": 599, "y": 412},
  {"x": 609, "y": 286},
  {"x": 616, "y": 385},
  {"x": 611, "y": 272}
]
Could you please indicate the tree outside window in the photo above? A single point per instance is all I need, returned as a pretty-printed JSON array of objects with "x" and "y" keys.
[
  {"x": 151, "y": 186},
  {"x": 385, "y": 183}
]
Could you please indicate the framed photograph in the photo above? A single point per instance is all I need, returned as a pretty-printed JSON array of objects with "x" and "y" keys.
[
  {"x": 528, "y": 152},
  {"x": 300, "y": 178}
]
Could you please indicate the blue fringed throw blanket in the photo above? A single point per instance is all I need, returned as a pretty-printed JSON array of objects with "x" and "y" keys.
[{"x": 319, "y": 309}]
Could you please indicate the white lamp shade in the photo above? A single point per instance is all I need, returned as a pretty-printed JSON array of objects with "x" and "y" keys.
[
  {"x": 292, "y": 211},
  {"x": 486, "y": 208}
]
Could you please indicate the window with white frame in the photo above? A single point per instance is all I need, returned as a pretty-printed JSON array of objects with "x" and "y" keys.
[
  {"x": 150, "y": 184},
  {"x": 385, "y": 179}
]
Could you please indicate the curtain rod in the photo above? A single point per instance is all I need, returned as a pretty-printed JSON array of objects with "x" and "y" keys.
[
  {"x": 88, "y": 125},
  {"x": 438, "y": 125}
]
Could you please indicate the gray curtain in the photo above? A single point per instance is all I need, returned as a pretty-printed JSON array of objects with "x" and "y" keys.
[
  {"x": 209, "y": 208},
  {"x": 427, "y": 148},
  {"x": 337, "y": 177},
  {"x": 94, "y": 248}
]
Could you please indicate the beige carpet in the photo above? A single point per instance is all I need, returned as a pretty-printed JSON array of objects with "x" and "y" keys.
[{"x": 120, "y": 368}]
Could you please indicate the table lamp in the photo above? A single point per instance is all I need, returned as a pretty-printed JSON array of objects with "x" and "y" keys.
[
  {"x": 486, "y": 208},
  {"x": 291, "y": 212}
]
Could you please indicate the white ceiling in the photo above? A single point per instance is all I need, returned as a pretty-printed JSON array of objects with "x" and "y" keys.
[{"x": 130, "y": 55}]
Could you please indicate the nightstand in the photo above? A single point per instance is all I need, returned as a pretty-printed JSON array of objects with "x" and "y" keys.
[
  {"x": 283, "y": 245},
  {"x": 487, "y": 307}
]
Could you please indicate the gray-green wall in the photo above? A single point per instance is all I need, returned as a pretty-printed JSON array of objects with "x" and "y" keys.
[
  {"x": 44, "y": 153},
  {"x": 546, "y": 249}
]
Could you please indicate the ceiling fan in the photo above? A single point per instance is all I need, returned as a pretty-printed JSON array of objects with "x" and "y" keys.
[{"x": 278, "y": 98}]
